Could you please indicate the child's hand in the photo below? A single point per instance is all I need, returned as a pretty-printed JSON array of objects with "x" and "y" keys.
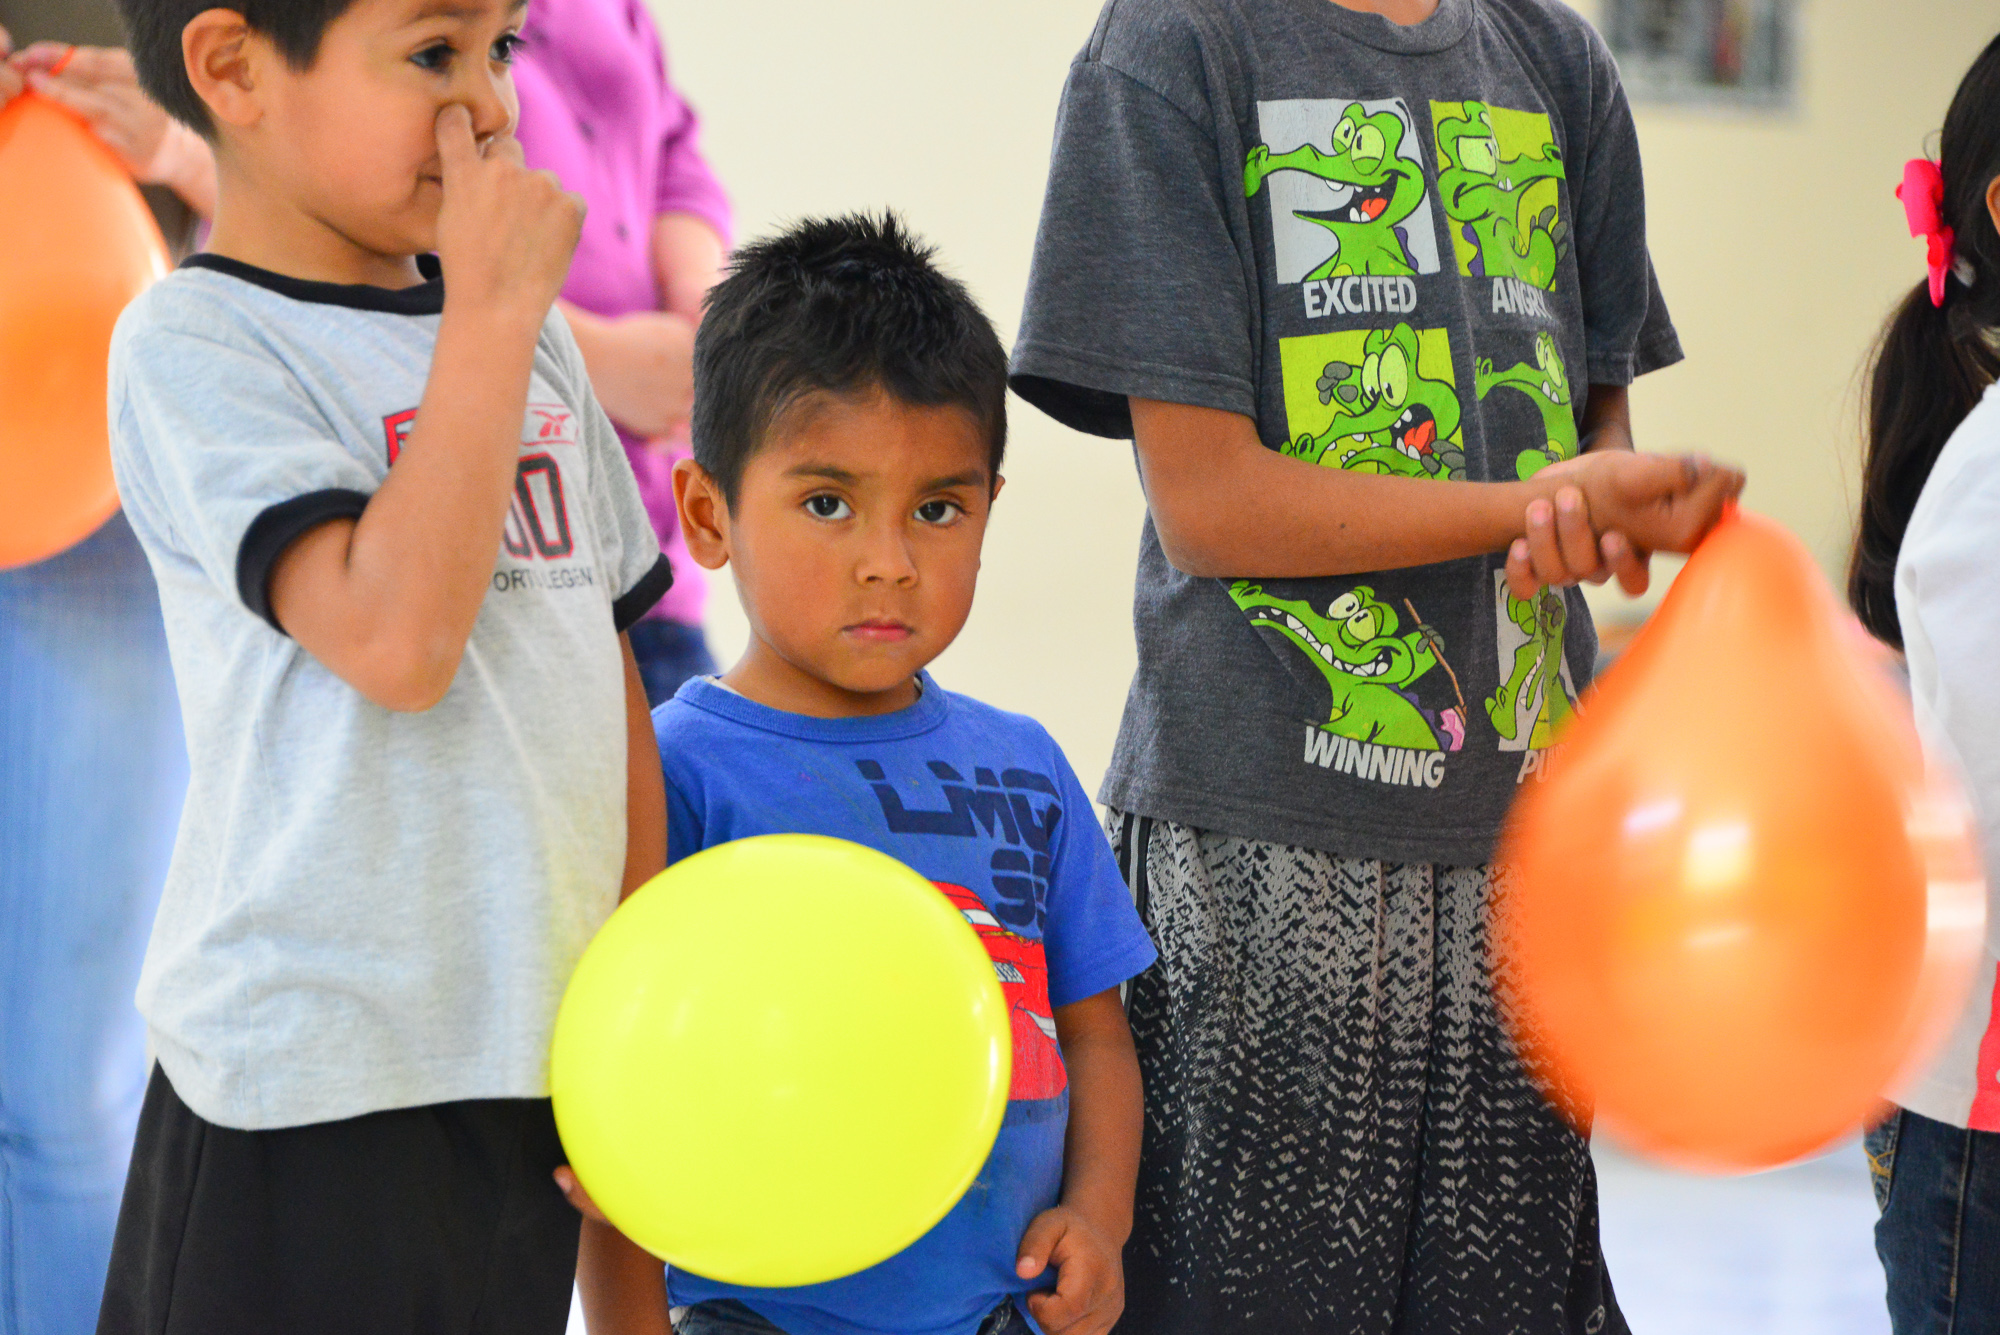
[
  {"x": 1617, "y": 509},
  {"x": 504, "y": 234},
  {"x": 10, "y": 77},
  {"x": 573, "y": 1191},
  {"x": 1090, "y": 1274}
]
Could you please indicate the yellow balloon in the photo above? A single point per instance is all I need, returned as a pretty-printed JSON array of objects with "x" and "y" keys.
[{"x": 782, "y": 1061}]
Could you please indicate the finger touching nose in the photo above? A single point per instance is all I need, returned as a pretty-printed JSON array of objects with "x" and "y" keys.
[{"x": 489, "y": 98}]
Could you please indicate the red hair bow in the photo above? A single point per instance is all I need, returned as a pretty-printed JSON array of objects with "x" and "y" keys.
[{"x": 1922, "y": 193}]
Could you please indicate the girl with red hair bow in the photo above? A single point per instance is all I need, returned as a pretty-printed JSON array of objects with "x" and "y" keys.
[{"x": 1924, "y": 574}]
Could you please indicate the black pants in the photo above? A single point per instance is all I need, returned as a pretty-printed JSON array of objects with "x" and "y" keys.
[{"x": 440, "y": 1220}]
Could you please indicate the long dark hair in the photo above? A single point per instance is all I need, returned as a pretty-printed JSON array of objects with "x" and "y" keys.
[{"x": 1932, "y": 362}]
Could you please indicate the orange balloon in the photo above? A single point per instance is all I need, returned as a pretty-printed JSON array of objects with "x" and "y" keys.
[
  {"x": 1742, "y": 906},
  {"x": 76, "y": 243}
]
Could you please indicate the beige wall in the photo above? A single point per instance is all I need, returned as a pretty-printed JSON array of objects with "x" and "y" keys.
[
  {"x": 1776, "y": 238},
  {"x": 943, "y": 109}
]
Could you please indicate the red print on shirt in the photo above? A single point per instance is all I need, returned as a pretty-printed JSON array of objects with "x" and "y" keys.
[{"x": 1023, "y": 969}]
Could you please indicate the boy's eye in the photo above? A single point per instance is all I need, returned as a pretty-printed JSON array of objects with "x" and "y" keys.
[
  {"x": 507, "y": 48},
  {"x": 434, "y": 57},
  {"x": 939, "y": 512},
  {"x": 824, "y": 506}
]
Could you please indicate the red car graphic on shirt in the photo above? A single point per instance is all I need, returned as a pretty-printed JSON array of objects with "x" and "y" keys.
[{"x": 1023, "y": 971}]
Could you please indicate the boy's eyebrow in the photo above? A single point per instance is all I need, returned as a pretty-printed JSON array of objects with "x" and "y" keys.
[
  {"x": 828, "y": 471},
  {"x": 462, "y": 10},
  {"x": 971, "y": 477}
]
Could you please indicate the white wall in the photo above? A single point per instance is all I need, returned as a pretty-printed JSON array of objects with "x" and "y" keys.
[{"x": 943, "y": 109}]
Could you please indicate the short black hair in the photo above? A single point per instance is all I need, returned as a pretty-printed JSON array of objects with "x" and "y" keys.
[
  {"x": 838, "y": 306},
  {"x": 153, "y": 34}
]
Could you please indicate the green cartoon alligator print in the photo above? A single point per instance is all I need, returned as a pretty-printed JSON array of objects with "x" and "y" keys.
[
  {"x": 1392, "y": 405},
  {"x": 1370, "y": 665},
  {"x": 1546, "y": 384},
  {"x": 1498, "y": 174},
  {"x": 1373, "y": 189},
  {"x": 1537, "y": 697}
]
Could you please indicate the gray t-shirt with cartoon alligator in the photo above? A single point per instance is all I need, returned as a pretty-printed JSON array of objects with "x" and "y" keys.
[
  {"x": 366, "y": 909},
  {"x": 1399, "y": 250}
]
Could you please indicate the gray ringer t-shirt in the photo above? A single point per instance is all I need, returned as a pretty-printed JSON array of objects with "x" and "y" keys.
[
  {"x": 1399, "y": 250},
  {"x": 368, "y": 909}
]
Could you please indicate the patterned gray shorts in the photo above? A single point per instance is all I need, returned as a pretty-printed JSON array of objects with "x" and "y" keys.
[{"x": 1339, "y": 1137}]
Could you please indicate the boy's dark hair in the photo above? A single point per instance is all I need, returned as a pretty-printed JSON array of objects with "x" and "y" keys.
[
  {"x": 837, "y": 306},
  {"x": 1933, "y": 360},
  {"x": 153, "y": 34}
]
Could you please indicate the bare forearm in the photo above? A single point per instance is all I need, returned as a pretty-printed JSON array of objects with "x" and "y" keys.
[
  {"x": 388, "y": 601},
  {"x": 1607, "y": 418},
  {"x": 1106, "y": 1118},
  {"x": 688, "y": 258},
  {"x": 641, "y": 366},
  {"x": 422, "y": 555},
  {"x": 624, "y": 1290},
  {"x": 1224, "y": 505},
  {"x": 645, "y": 786}
]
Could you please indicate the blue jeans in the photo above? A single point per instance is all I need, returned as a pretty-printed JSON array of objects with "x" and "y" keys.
[
  {"x": 92, "y": 770},
  {"x": 1939, "y": 1236},
  {"x": 725, "y": 1317},
  {"x": 668, "y": 653}
]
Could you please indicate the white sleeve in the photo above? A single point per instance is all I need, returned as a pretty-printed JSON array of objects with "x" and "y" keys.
[
  {"x": 1947, "y": 581},
  {"x": 225, "y": 457}
]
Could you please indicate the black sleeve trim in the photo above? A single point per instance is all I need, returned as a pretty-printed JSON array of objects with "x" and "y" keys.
[
  {"x": 271, "y": 532},
  {"x": 639, "y": 599}
]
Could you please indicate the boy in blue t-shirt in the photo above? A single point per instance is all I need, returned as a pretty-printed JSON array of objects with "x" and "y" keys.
[{"x": 849, "y": 422}]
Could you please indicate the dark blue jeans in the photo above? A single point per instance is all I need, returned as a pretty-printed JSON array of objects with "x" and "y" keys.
[
  {"x": 733, "y": 1318},
  {"x": 668, "y": 653},
  {"x": 1939, "y": 1237}
]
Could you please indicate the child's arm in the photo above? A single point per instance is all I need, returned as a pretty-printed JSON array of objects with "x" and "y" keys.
[
  {"x": 645, "y": 785},
  {"x": 642, "y": 365},
  {"x": 1225, "y": 505},
  {"x": 624, "y": 1289},
  {"x": 1558, "y": 546},
  {"x": 387, "y": 601},
  {"x": 1084, "y": 1236}
]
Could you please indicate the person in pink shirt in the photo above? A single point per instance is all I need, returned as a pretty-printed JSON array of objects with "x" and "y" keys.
[{"x": 598, "y": 111}]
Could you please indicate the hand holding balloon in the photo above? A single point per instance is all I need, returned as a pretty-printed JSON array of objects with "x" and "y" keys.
[
  {"x": 11, "y": 82},
  {"x": 1649, "y": 502},
  {"x": 100, "y": 85}
]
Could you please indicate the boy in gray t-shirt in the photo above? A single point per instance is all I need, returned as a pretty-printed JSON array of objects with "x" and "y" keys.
[
  {"x": 397, "y": 543},
  {"x": 1366, "y": 290}
]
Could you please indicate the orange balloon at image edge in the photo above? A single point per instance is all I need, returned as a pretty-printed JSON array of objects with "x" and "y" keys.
[
  {"x": 77, "y": 243},
  {"x": 1743, "y": 906}
]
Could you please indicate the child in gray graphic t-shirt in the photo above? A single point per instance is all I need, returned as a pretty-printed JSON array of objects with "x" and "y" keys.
[
  {"x": 397, "y": 542},
  {"x": 1366, "y": 289}
]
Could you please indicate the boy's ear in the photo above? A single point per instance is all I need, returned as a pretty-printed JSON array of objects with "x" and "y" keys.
[
  {"x": 704, "y": 515},
  {"x": 222, "y": 56}
]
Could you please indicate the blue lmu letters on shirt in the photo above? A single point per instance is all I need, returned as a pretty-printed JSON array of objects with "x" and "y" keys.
[{"x": 1022, "y": 806}]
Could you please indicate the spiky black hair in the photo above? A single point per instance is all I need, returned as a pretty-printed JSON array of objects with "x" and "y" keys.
[{"x": 838, "y": 306}]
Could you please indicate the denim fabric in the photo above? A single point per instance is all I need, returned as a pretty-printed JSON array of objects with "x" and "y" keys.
[
  {"x": 1939, "y": 1235},
  {"x": 728, "y": 1317},
  {"x": 668, "y": 653},
  {"x": 92, "y": 771}
]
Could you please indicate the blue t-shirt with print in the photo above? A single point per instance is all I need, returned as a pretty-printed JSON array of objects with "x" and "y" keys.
[{"x": 984, "y": 804}]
